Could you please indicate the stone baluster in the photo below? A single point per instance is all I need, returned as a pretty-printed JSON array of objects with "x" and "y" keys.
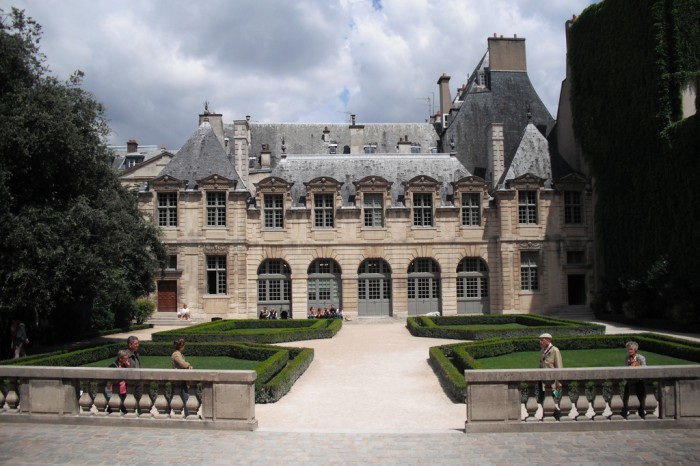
[
  {"x": 194, "y": 403},
  {"x": 590, "y": 391},
  {"x": 176, "y": 403},
  {"x": 618, "y": 388},
  {"x": 161, "y": 404},
  {"x": 130, "y": 403},
  {"x": 85, "y": 401},
  {"x": 572, "y": 393},
  {"x": 2, "y": 395},
  {"x": 528, "y": 397},
  {"x": 12, "y": 397},
  {"x": 146, "y": 402}
]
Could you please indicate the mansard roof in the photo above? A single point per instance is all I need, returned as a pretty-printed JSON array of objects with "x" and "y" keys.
[
  {"x": 348, "y": 169},
  {"x": 303, "y": 138},
  {"x": 201, "y": 157}
]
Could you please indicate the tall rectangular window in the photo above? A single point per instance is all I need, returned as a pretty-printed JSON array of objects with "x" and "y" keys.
[
  {"x": 423, "y": 210},
  {"x": 323, "y": 210},
  {"x": 527, "y": 207},
  {"x": 573, "y": 207},
  {"x": 374, "y": 209},
  {"x": 216, "y": 209},
  {"x": 274, "y": 210},
  {"x": 167, "y": 209},
  {"x": 216, "y": 274},
  {"x": 172, "y": 262},
  {"x": 529, "y": 280},
  {"x": 471, "y": 209}
]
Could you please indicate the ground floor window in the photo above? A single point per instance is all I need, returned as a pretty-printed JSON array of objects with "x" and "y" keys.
[
  {"x": 275, "y": 286},
  {"x": 374, "y": 288},
  {"x": 472, "y": 286},
  {"x": 216, "y": 274},
  {"x": 423, "y": 287}
]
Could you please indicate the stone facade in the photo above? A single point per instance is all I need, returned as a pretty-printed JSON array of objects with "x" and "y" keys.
[{"x": 476, "y": 213}]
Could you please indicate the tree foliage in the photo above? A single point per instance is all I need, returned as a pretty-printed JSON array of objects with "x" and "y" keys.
[
  {"x": 74, "y": 250},
  {"x": 630, "y": 61}
]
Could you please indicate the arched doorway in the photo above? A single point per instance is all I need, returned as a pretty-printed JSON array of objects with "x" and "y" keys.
[
  {"x": 324, "y": 282},
  {"x": 423, "y": 287},
  {"x": 275, "y": 286},
  {"x": 472, "y": 286},
  {"x": 374, "y": 288}
]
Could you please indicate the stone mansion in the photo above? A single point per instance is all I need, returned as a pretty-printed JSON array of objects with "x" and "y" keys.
[{"x": 477, "y": 211}]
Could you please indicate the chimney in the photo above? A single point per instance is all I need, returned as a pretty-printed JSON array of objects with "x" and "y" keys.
[
  {"x": 404, "y": 146},
  {"x": 445, "y": 98},
  {"x": 217, "y": 124},
  {"x": 507, "y": 54},
  {"x": 265, "y": 155},
  {"x": 357, "y": 137},
  {"x": 132, "y": 146},
  {"x": 496, "y": 152}
]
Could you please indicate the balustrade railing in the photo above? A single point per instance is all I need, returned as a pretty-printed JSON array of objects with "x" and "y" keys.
[
  {"x": 589, "y": 398},
  {"x": 224, "y": 399}
]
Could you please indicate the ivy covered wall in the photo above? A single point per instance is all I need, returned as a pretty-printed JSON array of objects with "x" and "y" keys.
[{"x": 629, "y": 61}]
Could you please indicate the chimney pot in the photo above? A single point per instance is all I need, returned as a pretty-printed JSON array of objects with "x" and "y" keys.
[
  {"x": 352, "y": 117},
  {"x": 132, "y": 146}
]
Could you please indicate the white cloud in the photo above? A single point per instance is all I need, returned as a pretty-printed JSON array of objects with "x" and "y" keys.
[{"x": 154, "y": 63}]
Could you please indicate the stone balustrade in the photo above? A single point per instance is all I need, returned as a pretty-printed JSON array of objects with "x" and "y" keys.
[
  {"x": 217, "y": 399},
  {"x": 590, "y": 399}
]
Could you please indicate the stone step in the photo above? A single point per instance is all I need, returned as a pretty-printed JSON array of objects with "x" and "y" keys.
[{"x": 170, "y": 319}]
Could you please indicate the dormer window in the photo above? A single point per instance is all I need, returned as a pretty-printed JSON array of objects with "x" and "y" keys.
[
  {"x": 415, "y": 149},
  {"x": 332, "y": 148},
  {"x": 371, "y": 148}
]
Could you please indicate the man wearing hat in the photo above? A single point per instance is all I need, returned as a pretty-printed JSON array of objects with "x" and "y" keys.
[{"x": 550, "y": 357}]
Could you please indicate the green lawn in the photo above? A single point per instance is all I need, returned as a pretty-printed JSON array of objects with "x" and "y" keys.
[
  {"x": 198, "y": 362},
  {"x": 577, "y": 358}
]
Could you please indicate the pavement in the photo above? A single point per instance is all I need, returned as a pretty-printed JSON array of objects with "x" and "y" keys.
[{"x": 369, "y": 397}]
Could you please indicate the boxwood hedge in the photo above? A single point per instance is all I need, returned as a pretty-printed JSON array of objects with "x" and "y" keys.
[
  {"x": 453, "y": 327},
  {"x": 450, "y": 361},
  {"x": 254, "y": 331},
  {"x": 277, "y": 371}
]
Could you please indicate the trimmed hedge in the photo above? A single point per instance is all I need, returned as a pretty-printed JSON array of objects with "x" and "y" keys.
[
  {"x": 278, "y": 331},
  {"x": 446, "y": 326},
  {"x": 279, "y": 367},
  {"x": 450, "y": 361}
]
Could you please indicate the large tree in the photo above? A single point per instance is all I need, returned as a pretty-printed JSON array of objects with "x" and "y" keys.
[{"x": 74, "y": 250}]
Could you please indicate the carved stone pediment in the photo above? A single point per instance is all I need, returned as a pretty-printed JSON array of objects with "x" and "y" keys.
[
  {"x": 323, "y": 184},
  {"x": 572, "y": 182},
  {"x": 530, "y": 245},
  {"x": 273, "y": 184},
  {"x": 214, "y": 248},
  {"x": 527, "y": 181},
  {"x": 167, "y": 183},
  {"x": 470, "y": 184},
  {"x": 422, "y": 183},
  {"x": 216, "y": 182},
  {"x": 373, "y": 184}
]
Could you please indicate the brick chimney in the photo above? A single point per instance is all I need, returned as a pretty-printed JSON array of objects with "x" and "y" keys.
[
  {"x": 132, "y": 146},
  {"x": 445, "y": 97},
  {"x": 507, "y": 53}
]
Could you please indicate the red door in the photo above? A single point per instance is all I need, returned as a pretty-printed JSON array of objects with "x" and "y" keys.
[{"x": 167, "y": 296}]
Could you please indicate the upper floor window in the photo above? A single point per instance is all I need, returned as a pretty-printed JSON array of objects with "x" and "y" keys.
[
  {"x": 323, "y": 210},
  {"x": 370, "y": 149},
  {"x": 573, "y": 207},
  {"x": 374, "y": 209},
  {"x": 415, "y": 148},
  {"x": 575, "y": 257},
  {"x": 471, "y": 209},
  {"x": 172, "y": 262},
  {"x": 167, "y": 209},
  {"x": 274, "y": 210},
  {"x": 216, "y": 209},
  {"x": 527, "y": 207},
  {"x": 216, "y": 274},
  {"x": 529, "y": 278},
  {"x": 332, "y": 148},
  {"x": 423, "y": 209}
]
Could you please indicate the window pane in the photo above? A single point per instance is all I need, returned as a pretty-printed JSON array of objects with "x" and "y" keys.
[
  {"x": 573, "y": 207},
  {"x": 323, "y": 210},
  {"x": 216, "y": 209},
  {"x": 423, "y": 209},
  {"x": 374, "y": 209},
  {"x": 471, "y": 209},
  {"x": 273, "y": 210},
  {"x": 527, "y": 207}
]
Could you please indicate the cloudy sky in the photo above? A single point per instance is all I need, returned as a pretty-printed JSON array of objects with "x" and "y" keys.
[{"x": 154, "y": 63}]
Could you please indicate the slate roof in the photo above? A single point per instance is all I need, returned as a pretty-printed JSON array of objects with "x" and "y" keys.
[
  {"x": 395, "y": 168},
  {"x": 144, "y": 154},
  {"x": 508, "y": 99},
  {"x": 307, "y": 138},
  {"x": 531, "y": 156},
  {"x": 200, "y": 157}
]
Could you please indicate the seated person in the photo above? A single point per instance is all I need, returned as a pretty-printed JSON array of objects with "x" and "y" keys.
[
  {"x": 273, "y": 314},
  {"x": 184, "y": 313},
  {"x": 312, "y": 313},
  {"x": 264, "y": 314}
]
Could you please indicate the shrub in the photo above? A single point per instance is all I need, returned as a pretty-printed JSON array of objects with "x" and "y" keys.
[{"x": 143, "y": 310}]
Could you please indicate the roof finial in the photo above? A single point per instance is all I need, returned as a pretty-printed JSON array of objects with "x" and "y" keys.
[
  {"x": 529, "y": 114},
  {"x": 206, "y": 107}
]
